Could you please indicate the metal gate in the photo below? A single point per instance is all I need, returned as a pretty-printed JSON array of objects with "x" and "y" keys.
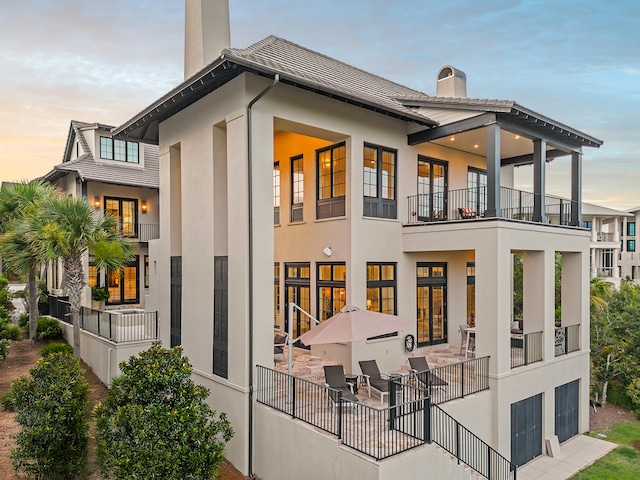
[
  {"x": 567, "y": 410},
  {"x": 526, "y": 429}
]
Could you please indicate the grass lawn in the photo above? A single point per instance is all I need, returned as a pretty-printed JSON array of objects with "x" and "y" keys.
[{"x": 623, "y": 463}]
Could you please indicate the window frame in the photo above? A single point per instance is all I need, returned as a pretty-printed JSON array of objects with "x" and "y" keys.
[
  {"x": 333, "y": 205},
  {"x": 333, "y": 285},
  {"x": 276, "y": 193},
  {"x": 378, "y": 206},
  {"x": 108, "y": 150},
  {"x": 135, "y": 220},
  {"x": 631, "y": 229},
  {"x": 297, "y": 189},
  {"x": 631, "y": 245}
]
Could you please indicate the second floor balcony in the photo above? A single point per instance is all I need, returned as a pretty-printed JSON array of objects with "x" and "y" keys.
[
  {"x": 143, "y": 232},
  {"x": 471, "y": 204}
]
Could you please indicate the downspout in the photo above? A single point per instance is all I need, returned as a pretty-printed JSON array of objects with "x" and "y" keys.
[{"x": 276, "y": 79}]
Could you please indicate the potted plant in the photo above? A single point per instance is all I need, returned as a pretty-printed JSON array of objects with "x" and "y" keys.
[{"x": 99, "y": 295}]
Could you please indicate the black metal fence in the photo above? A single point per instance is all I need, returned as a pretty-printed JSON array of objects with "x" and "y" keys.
[
  {"x": 567, "y": 339},
  {"x": 148, "y": 231},
  {"x": 120, "y": 327},
  {"x": 59, "y": 308},
  {"x": 377, "y": 432},
  {"x": 468, "y": 448},
  {"x": 457, "y": 380},
  {"x": 471, "y": 203},
  {"x": 527, "y": 348}
]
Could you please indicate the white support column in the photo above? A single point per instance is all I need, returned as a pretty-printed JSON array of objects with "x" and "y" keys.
[
  {"x": 493, "y": 171},
  {"x": 539, "y": 190}
]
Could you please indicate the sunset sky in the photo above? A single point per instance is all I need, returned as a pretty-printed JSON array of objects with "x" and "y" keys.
[{"x": 577, "y": 62}]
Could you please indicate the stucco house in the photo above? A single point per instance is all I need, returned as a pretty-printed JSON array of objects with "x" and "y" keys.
[
  {"x": 118, "y": 177},
  {"x": 288, "y": 176}
]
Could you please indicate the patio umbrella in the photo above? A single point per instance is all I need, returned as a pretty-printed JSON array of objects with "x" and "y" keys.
[{"x": 351, "y": 324}]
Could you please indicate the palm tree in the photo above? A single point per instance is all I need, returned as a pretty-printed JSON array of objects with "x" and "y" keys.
[
  {"x": 72, "y": 229},
  {"x": 20, "y": 204},
  {"x": 599, "y": 293}
]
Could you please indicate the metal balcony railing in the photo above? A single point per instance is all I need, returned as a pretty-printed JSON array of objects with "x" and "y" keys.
[
  {"x": 143, "y": 232},
  {"x": 526, "y": 348},
  {"x": 471, "y": 203}
]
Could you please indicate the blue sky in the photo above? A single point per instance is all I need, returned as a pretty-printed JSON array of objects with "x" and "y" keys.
[{"x": 577, "y": 62}]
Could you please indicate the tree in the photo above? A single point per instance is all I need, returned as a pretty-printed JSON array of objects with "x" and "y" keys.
[
  {"x": 155, "y": 423},
  {"x": 68, "y": 230},
  {"x": 20, "y": 206}
]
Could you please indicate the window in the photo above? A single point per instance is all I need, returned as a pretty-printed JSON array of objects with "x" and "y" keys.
[
  {"x": 381, "y": 287},
  {"x": 332, "y": 176},
  {"x": 221, "y": 316},
  {"x": 432, "y": 189},
  {"x": 176, "y": 301},
  {"x": 471, "y": 294},
  {"x": 431, "y": 303},
  {"x": 276, "y": 295},
  {"x": 146, "y": 271},
  {"x": 379, "y": 182},
  {"x": 631, "y": 229},
  {"x": 297, "y": 188},
  {"x": 476, "y": 191},
  {"x": 120, "y": 150},
  {"x": 126, "y": 212},
  {"x": 298, "y": 291},
  {"x": 93, "y": 279},
  {"x": 332, "y": 289},
  {"x": 276, "y": 193},
  {"x": 631, "y": 245}
]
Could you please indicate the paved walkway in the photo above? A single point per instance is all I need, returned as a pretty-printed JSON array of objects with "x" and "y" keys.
[{"x": 576, "y": 454}]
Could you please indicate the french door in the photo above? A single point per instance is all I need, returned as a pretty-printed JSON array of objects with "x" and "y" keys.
[
  {"x": 432, "y": 189},
  {"x": 431, "y": 300},
  {"x": 477, "y": 190}
]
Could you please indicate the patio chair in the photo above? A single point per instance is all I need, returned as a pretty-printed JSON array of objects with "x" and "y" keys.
[
  {"x": 466, "y": 213},
  {"x": 279, "y": 343},
  {"x": 420, "y": 368},
  {"x": 335, "y": 379},
  {"x": 372, "y": 378}
]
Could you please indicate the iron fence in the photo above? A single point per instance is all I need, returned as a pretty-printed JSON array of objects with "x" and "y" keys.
[
  {"x": 471, "y": 203},
  {"x": 120, "y": 327},
  {"x": 526, "y": 348},
  {"x": 468, "y": 448},
  {"x": 59, "y": 307},
  {"x": 567, "y": 339}
]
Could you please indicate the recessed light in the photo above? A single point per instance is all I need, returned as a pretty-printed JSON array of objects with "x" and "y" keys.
[
  {"x": 476, "y": 146},
  {"x": 517, "y": 137},
  {"x": 453, "y": 139}
]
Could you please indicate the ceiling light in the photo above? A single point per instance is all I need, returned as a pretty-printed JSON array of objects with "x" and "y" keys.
[
  {"x": 476, "y": 146},
  {"x": 453, "y": 139},
  {"x": 517, "y": 137}
]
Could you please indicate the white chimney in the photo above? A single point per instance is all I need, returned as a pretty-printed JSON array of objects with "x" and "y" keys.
[
  {"x": 451, "y": 83},
  {"x": 206, "y": 33}
]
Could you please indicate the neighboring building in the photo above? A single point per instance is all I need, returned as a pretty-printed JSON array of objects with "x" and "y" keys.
[
  {"x": 606, "y": 241},
  {"x": 630, "y": 254},
  {"x": 120, "y": 178},
  {"x": 287, "y": 175}
]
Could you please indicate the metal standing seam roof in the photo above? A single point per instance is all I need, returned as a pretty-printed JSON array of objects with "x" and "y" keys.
[{"x": 145, "y": 174}]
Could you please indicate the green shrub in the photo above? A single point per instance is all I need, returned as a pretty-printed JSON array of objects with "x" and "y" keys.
[
  {"x": 155, "y": 423},
  {"x": 56, "y": 347},
  {"x": 100, "y": 294},
  {"x": 4, "y": 313},
  {"x": 8, "y": 400},
  {"x": 52, "y": 406},
  {"x": 5, "y": 299},
  {"x": 4, "y": 347},
  {"x": 20, "y": 294},
  {"x": 49, "y": 328},
  {"x": 617, "y": 395},
  {"x": 23, "y": 320},
  {"x": 4, "y": 282},
  {"x": 11, "y": 332}
]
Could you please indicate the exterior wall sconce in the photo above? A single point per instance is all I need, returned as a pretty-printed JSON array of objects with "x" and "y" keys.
[
  {"x": 327, "y": 251},
  {"x": 96, "y": 202},
  {"x": 143, "y": 207}
]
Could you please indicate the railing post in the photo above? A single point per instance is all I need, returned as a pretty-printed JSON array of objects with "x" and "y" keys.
[
  {"x": 525, "y": 341},
  {"x": 339, "y": 433},
  {"x": 488, "y": 462},
  {"x": 566, "y": 340},
  {"x": 392, "y": 403},
  {"x": 293, "y": 396},
  {"x": 98, "y": 317},
  {"x": 426, "y": 417},
  {"x": 458, "y": 441},
  {"x": 110, "y": 323}
]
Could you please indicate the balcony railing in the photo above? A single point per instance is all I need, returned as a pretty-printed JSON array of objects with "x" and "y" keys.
[
  {"x": 471, "y": 203},
  {"x": 123, "y": 327},
  {"x": 143, "y": 233},
  {"x": 59, "y": 308},
  {"x": 606, "y": 237},
  {"x": 526, "y": 348},
  {"x": 606, "y": 271},
  {"x": 567, "y": 340}
]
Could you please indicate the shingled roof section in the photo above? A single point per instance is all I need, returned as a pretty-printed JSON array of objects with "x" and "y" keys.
[
  {"x": 314, "y": 69},
  {"x": 145, "y": 174}
]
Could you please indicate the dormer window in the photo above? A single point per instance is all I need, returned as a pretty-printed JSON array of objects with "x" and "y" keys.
[{"x": 120, "y": 150}]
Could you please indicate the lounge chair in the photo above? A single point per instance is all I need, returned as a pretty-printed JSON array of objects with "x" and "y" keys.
[
  {"x": 335, "y": 379},
  {"x": 421, "y": 370},
  {"x": 372, "y": 378},
  {"x": 466, "y": 213}
]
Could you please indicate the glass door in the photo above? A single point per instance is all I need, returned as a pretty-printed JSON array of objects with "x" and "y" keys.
[
  {"x": 477, "y": 191},
  {"x": 432, "y": 189},
  {"x": 431, "y": 300}
]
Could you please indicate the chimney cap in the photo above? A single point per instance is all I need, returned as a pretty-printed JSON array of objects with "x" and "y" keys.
[{"x": 449, "y": 71}]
